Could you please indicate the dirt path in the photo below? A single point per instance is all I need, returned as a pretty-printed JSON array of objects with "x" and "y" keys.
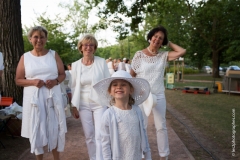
[{"x": 75, "y": 148}]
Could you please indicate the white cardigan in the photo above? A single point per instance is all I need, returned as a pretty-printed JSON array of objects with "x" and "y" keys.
[{"x": 100, "y": 71}]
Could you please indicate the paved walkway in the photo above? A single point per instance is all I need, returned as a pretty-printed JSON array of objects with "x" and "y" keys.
[{"x": 75, "y": 147}]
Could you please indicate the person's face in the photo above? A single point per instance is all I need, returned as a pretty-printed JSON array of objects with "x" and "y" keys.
[
  {"x": 157, "y": 39},
  {"x": 38, "y": 39},
  {"x": 88, "y": 48},
  {"x": 120, "y": 89},
  {"x": 69, "y": 67}
]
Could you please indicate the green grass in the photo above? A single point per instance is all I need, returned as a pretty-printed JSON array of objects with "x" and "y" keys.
[
  {"x": 204, "y": 77},
  {"x": 212, "y": 113}
]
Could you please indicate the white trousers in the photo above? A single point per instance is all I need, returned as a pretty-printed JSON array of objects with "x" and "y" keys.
[
  {"x": 91, "y": 115},
  {"x": 159, "y": 113}
]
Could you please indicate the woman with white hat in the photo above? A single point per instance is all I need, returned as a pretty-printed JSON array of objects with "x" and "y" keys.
[
  {"x": 149, "y": 64},
  {"x": 122, "y": 128}
]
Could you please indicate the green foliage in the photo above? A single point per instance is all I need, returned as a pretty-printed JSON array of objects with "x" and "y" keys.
[
  {"x": 27, "y": 44},
  {"x": 203, "y": 27},
  {"x": 57, "y": 39}
]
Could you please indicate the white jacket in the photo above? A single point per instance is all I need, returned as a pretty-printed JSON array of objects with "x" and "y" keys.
[
  {"x": 110, "y": 138},
  {"x": 100, "y": 71},
  {"x": 53, "y": 132}
]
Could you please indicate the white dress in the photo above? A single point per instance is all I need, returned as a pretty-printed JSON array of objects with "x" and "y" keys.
[
  {"x": 129, "y": 134},
  {"x": 44, "y": 68},
  {"x": 110, "y": 67}
]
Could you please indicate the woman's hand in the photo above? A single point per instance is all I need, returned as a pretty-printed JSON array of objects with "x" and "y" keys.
[
  {"x": 38, "y": 83},
  {"x": 75, "y": 113},
  {"x": 51, "y": 83}
]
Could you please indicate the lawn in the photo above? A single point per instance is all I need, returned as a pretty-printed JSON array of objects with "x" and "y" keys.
[
  {"x": 212, "y": 113},
  {"x": 206, "y": 77}
]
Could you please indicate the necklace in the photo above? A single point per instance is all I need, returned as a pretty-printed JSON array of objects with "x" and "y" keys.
[
  {"x": 87, "y": 63},
  {"x": 152, "y": 53}
]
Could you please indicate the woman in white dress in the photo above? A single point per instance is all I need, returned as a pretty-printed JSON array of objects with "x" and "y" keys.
[
  {"x": 149, "y": 64},
  {"x": 122, "y": 126},
  {"x": 128, "y": 66},
  {"x": 110, "y": 66},
  {"x": 40, "y": 71},
  {"x": 85, "y": 73}
]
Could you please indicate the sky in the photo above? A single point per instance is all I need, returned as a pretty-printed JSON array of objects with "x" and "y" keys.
[{"x": 30, "y": 9}]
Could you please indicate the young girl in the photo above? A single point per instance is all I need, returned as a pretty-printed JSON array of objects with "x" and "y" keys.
[{"x": 122, "y": 129}]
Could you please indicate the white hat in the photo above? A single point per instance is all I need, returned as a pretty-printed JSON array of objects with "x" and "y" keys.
[
  {"x": 124, "y": 59},
  {"x": 150, "y": 103},
  {"x": 141, "y": 87}
]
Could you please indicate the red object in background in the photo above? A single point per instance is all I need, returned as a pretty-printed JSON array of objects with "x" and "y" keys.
[{"x": 6, "y": 101}]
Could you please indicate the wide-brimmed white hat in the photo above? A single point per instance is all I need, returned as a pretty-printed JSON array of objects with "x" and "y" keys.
[
  {"x": 141, "y": 87},
  {"x": 149, "y": 103}
]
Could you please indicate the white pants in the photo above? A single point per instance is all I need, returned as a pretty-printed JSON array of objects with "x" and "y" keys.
[
  {"x": 159, "y": 113},
  {"x": 91, "y": 114}
]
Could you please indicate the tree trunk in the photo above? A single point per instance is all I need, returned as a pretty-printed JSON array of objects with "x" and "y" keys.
[
  {"x": 215, "y": 66},
  {"x": 11, "y": 46}
]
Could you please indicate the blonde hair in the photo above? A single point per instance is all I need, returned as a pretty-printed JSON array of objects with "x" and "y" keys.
[
  {"x": 131, "y": 100},
  {"x": 37, "y": 28},
  {"x": 87, "y": 38}
]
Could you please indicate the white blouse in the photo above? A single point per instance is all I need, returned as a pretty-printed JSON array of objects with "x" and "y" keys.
[
  {"x": 86, "y": 81},
  {"x": 151, "y": 68},
  {"x": 129, "y": 134}
]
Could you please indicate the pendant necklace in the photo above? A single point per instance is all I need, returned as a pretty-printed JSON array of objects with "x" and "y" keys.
[{"x": 152, "y": 53}]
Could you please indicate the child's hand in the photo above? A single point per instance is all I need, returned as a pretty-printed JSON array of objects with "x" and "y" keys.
[{"x": 75, "y": 113}]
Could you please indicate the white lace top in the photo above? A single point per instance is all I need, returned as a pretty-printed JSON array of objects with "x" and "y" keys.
[
  {"x": 151, "y": 68},
  {"x": 129, "y": 134}
]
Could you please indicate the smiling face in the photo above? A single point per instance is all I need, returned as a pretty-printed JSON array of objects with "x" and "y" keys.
[
  {"x": 38, "y": 39},
  {"x": 87, "y": 45},
  {"x": 157, "y": 39},
  {"x": 88, "y": 48},
  {"x": 120, "y": 89}
]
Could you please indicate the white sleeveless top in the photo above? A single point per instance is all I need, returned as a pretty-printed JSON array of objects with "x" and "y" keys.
[
  {"x": 151, "y": 68},
  {"x": 129, "y": 134}
]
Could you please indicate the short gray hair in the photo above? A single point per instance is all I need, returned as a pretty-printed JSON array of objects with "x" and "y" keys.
[
  {"x": 87, "y": 38},
  {"x": 37, "y": 28}
]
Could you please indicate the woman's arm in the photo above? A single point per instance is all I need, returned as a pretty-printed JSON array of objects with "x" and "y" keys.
[
  {"x": 176, "y": 52},
  {"x": 133, "y": 74},
  {"x": 75, "y": 112},
  {"x": 20, "y": 79},
  {"x": 61, "y": 73},
  {"x": 105, "y": 70},
  {"x": 60, "y": 66}
]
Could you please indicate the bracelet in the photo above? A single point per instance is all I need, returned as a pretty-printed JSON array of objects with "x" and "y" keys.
[{"x": 57, "y": 81}]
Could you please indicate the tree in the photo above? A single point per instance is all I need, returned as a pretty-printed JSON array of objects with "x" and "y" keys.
[
  {"x": 11, "y": 44},
  {"x": 214, "y": 22}
]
